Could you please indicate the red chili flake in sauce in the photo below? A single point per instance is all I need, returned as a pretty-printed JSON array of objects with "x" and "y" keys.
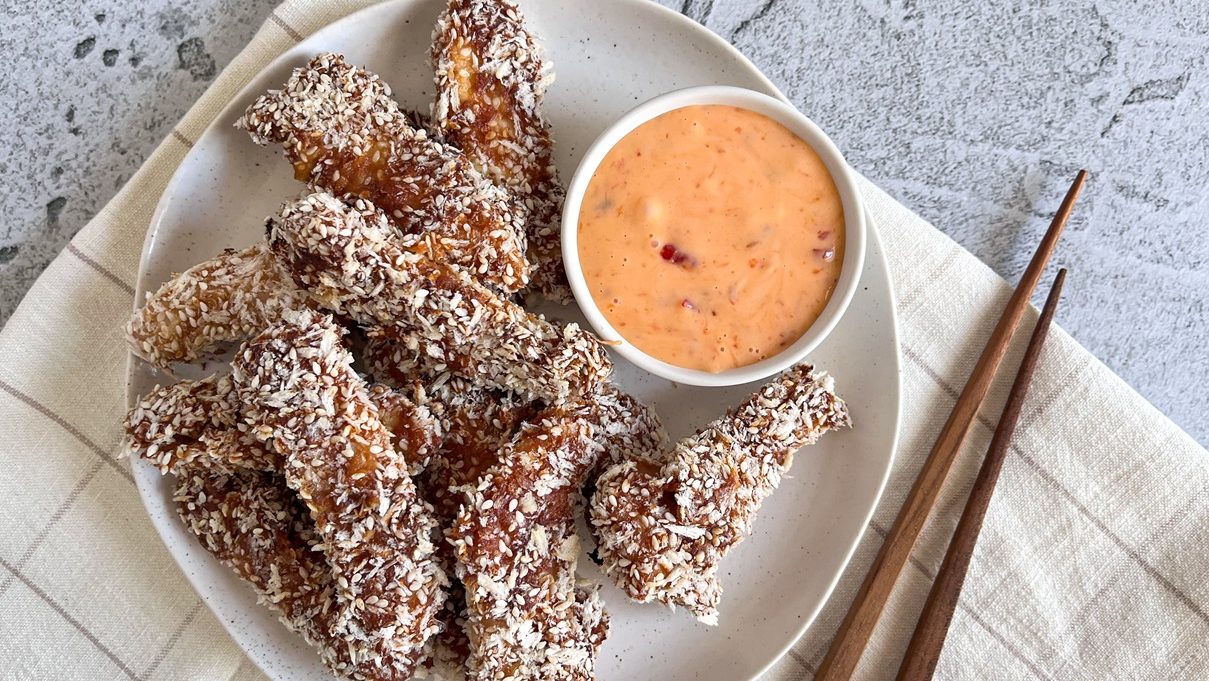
[
  {"x": 823, "y": 234},
  {"x": 676, "y": 256},
  {"x": 687, "y": 304},
  {"x": 827, "y": 254}
]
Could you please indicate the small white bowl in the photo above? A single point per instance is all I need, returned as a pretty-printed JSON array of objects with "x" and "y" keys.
[{"x": 803, "y": 127}]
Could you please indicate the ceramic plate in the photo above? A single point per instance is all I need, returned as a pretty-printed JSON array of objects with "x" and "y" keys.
[{"x": 609, "y": 56}]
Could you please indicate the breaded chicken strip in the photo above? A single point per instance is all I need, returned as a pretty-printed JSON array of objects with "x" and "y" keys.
[
  {"x": 254, "y": 524},
  {"x": 344, "y": 133},
  {"x": 299, "y": 392},
  {"x": 491, "y": 78},
  {"x": 527, "y": 618},
  {"x": 352, "y": 263},
  {"x": 663, "y": 528},
  {"x": 230, "y": 298}
]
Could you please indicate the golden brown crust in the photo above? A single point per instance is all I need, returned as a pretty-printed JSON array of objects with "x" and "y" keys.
[
  {"x": 476, "y": 423},
  {"x": 229, "y": 298},
  {"x": 251, "y": 522},
  {"x": 199, "y": 421},
  {"x": 300, "y": 393},
  {"x": 491, "y": 77},
  {"x": 194, "y": 422},
  {"x": 343, "y": 133},
  {"x": 517, "y": 549},
  {"x": 416, "y": 430},
  {"x": 663, "y": 527},
  {"x": 351, "y": 262}
]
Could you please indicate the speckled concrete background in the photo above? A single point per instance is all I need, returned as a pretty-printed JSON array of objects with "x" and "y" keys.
[{"x": 976, "y": 115}]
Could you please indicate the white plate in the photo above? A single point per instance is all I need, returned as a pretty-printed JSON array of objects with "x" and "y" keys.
[{"x": 609, "y": 56}]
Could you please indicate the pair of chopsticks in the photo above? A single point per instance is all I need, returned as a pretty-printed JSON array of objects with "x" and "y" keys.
[{"x": 928, "y": 639}]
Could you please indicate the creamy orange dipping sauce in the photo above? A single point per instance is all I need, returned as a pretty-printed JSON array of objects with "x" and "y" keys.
[{"x": 711, "y": 237}]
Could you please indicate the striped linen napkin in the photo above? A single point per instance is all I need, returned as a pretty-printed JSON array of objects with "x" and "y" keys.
[{"x": 1092, "y": 563}]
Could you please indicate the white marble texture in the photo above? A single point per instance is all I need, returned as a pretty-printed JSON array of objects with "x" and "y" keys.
[{"x": 976, "y": 115}]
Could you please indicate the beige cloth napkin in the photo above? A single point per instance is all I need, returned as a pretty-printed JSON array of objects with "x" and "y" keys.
[{"x": 1092, "y": 563}]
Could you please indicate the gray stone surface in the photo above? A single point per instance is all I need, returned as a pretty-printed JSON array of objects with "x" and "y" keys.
[{"x": 976, "y": 115}]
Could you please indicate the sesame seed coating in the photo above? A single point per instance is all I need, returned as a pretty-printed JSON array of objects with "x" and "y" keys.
[
  {"x": 623, "y": 427},
  {"x": 301, "y": 394},
  {"x": 344, "y": 133},
  {"x": 229, "y": 298},
  {"x": 663, "y": 528},
  {"x": 491, "y": 78},
  {"x": 527, "y": 617},
  {"x": 424, "y": 526},
  {"x": 200, "y": 421},
  {"x": 231, "y": 495},
  {"x": 254, "y": 524},
  {"x": 194, "y": 422},
  {"x": 416, "y": 430},
  {"x": 351, "y": 262},
  {"x": 477, "y": 422},
  {"x": 480, "y": 423}
]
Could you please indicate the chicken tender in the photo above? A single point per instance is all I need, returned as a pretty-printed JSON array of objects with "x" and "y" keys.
[
  {"x": 230, "y": 298},
  {"x": 491, "y": 78},
  {"x": 300, "y": 393},
  {"x": 344, "y": 133},
  {"x": 516, "y": 546},
  {"x": 351, "y": 262},
  {"x": 663, "y": 528}
]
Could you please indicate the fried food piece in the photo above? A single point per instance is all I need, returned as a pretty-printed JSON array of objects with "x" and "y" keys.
[
  {"x": 516, "y": 550},
  {"x": 248, "y": 520},
  {"x": 662, "y": 529},
  {"x": 477, "y": 421},
  {"x": 300, "y": 393},
  {"x": 229, "y": 495},
  {"x": 491, "y": 78},
  {"x": 230, "y": 298},
  {"x": 350, "y": 261},
  {"x": 194, "y": 423},
  {"x": 253, "y": 523},
  {"x": 623, "y": 427},
  {"x": 415, "y": 428},
  {"x": 343, "y": 133},
  {"x": 476, "y": 424}
]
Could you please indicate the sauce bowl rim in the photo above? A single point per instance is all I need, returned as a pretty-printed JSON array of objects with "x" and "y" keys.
[{"x": 801, "y": 126}]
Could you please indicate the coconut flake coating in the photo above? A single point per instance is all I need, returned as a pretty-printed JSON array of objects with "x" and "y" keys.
[
  {"x": 476, "y": 423},
  {"x": 416, "y": 430},
  {"x": 350, "y": 261},
  {"x": 623, "y": 427},
  {"x": 230, "y": 494},
  {"x": 254, "y": 524},
  {"x": 229, "y": 298},
  {"x": 300, "y": 393},
  {"x": 194, "y": 422},
  {"x": 491, "y": 78},
  {"x": 199, "y": 421},
  {"x": 344, "y": 133},
  {"x": 480, "y": 421},
  {"x": 662, "y": 529},
  {"x": 527, "y": 618}
]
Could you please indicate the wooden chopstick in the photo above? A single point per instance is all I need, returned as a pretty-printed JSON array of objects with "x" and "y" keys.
[
  {"x": 857, "y": 627},
  {"x": 929, "y": 637}
]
